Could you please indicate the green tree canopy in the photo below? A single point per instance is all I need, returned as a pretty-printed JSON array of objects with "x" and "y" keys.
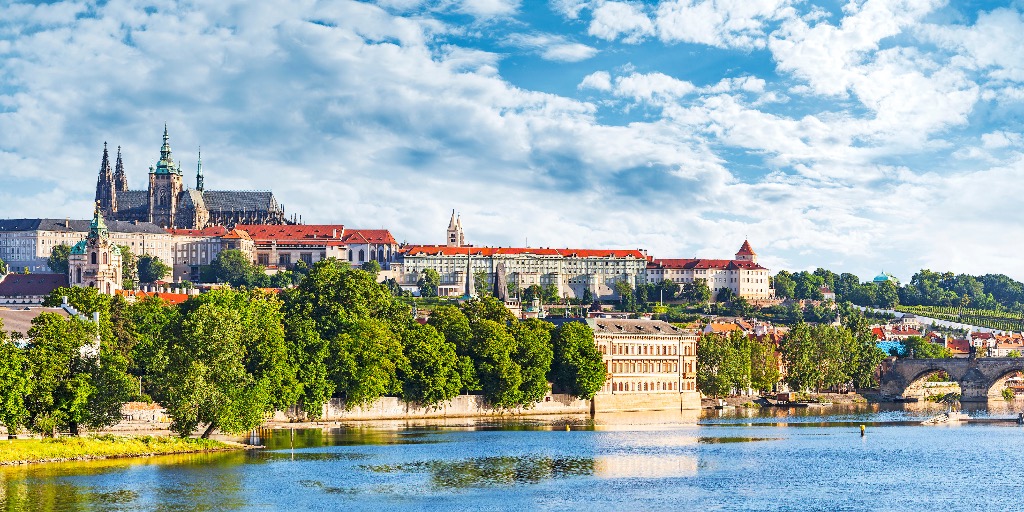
[
  {"x": 58, "y": 260},
  {"x": 432, "y": 375},
  {"x": 15, "y": 384},
  {"x": 578, "y": 366},
  {"x": 428, "y": 282},
  {"x": 366, "y": 359},
  {"x": 129, "y": 268},
  {"x": 151, "y": 269}
]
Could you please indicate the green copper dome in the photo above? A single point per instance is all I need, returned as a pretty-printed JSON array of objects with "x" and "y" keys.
[{"x": 166, "y": 164}]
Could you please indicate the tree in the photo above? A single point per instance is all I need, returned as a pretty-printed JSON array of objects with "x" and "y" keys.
[
  {"x": 533, "y": 354},
  {"x": 487, "y": 308},
  {"x": 724, "y": 295},
  {"x": 764, "y": 365},
  {"x": 432, "y": 375},
  {"x": 1013, "y": 353},
  {"x": 129, "y": 268},
  {"x": 428, "y": 282},
  {"x": 921, "y": 348},
  {"x": 369, "y": 266},
  {"x": 887, "y": 296},
  {"x": 480, "y": 285},
  {"x": 627, "y": 302},
  {"x": 58, "y": 260},
  {"x": 206, "y": 381},
  {"x": 578, "y": 367},
  {"x": 72, "y": 387},
  {"x": 588, "y": 296},
  {"x": 309, "y": 353},
  {"x": 534, "y": 291},
  {"x": 491, "y": 348},
  {"x": 3, "y": 267},
  {"x": 784, "y": 285},
  {"x": 713, "y": 365},
  {"x": 668, "y": 288},
  {"x": 84, "y": 299},
  {"x": 366, "y": 358},
  {"x": 697, "y": 292},
  {"x": 233, "y": 267},
  {"x": 453, "y": 324},
  {"x": 151, "y": 269},
  {"x": 15, "y": 384}
]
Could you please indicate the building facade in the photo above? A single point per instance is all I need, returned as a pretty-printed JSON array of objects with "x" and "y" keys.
[
  {"x": 195, "y": 248},
  {"x": 646, "y": 356},
  {"x": 25, "y": 244},
  {"x": 169, "y": 203},
  {"x": 571, "y": 271},
  {"x": 282, "y": 246},
  {"x": 742, "y": 274},
  {"x": 96, "y": 261}
]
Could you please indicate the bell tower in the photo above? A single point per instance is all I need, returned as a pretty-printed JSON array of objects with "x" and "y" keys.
[
  {"x": 455, "y": 237},
  {"x": 165, "y": 187}
]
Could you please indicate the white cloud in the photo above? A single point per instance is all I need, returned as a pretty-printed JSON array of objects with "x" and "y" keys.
[
  {"x": 1001, "y": 139},
  {"x": 652, "y": 87},
  {"x": 599, "y": 80},
  {"x": 488, "y": 8},
  {"x": 552, "y": 47},
  {"x": 721, "y": 23},
  {"x": 614, "y": 19},
  {"x": 991, "y": 44}
]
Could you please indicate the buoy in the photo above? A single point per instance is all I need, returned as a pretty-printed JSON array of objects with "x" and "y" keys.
[{"x": 862, "y": 430}]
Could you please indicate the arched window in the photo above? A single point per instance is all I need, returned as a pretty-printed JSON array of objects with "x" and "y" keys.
[
  {"x": 380, "y": 255},
  {"x": 93, "y": 258},
  {"x": 362, "y": 255},
  {"x": 78, "y": 275},
  {"x": 350, "y": 254},
  {"x": 105, "y": 256}
]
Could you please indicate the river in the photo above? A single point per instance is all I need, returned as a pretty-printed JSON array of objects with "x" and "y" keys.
[{"x": 811, "y": 459}]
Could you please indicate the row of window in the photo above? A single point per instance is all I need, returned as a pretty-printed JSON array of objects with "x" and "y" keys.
[
  {"x": 643, "y": 366},
  {"x": 647, "y": 350},
  {"x": 651, "y": 386}
]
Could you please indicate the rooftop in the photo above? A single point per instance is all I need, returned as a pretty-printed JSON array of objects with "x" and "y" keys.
[
  {"x": 21, "y": 285},
  {"x": 442, "y": 250}
]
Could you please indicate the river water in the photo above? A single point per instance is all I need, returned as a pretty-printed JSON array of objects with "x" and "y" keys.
[{"x": 810, "y": 459}]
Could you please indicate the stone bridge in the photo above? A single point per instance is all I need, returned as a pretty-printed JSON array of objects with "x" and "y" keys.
[{"x": 980, "y": 379}]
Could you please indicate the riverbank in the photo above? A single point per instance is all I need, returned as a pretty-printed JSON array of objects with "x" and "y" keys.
[
  {"x": 25, "y": 451},
  {"x": 755, "y": 401}
]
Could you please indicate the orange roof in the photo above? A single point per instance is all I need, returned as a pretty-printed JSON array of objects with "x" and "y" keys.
[
  {"x": 369, "y": 236},
  {"x": 723, "y": 327},
  {"x": 877, "y": 331},
  {"x": 958, "y": 346},
  {"x": 237, "y": 234},
  {"x": 171, "y": 298},
  {"x": 443, "y": 250},
  {"x": 298, "y": 232},
  {"x": 746, "y": 250},
  {"x": 208, "y": 231},
  {"x": 698, "y": 263}
]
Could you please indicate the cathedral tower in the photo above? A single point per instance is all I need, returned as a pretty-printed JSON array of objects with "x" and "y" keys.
[
  {"x": 120, "y": 180},
  {"x": 455, "y": 236},
  {"x": 106, "y": 191},
  {"x": 165, "y": 187}
]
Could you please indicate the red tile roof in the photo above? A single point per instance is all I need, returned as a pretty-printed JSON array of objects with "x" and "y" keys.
[
  {"x": 15, "y": 285},
  {"x": 171, "y": 298},
  {"x": 958, "y": 346},
  {"x": 697, "y": 263},
  {"x": 277, "y": 232},
  {"x": 237, "y": 234},
  {"x": 369, "y": 236},
  {"x": 442, "y": 250},
  {"x": 746, "y": 250}
]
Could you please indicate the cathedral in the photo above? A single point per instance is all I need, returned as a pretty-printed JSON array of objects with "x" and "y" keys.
[{"x": 169, "y": 203}]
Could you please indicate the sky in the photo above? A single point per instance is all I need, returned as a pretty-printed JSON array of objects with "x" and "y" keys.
[{"x": 860, "y": 136}]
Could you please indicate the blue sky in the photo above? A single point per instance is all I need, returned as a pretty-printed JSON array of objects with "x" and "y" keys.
[{"x": 860, "y": 136}]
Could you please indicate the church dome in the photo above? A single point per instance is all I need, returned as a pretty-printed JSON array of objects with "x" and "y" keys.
[{"x": 883, "y": 277}]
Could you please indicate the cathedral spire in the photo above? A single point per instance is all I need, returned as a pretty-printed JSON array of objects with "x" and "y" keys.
[
  {"x": 105, "y": 183},
  {"x": 199, "y": 171},
  {"x": 120, "y": 179},
  {"x": 166, "y": 165}
]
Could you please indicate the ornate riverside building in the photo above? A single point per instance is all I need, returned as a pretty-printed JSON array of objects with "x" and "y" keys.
[
  {"x": 96, "y": 261},
  {"x": 169, "y": 203}
]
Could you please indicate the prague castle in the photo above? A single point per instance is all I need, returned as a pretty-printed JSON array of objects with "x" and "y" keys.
[{"x": 169, "y": 203}]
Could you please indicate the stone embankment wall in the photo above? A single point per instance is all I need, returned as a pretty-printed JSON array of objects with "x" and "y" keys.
[
  {"x": 646, "y": 402},
  {"x": 464, "y": 406},
  {"x": 387, "y": 408}
]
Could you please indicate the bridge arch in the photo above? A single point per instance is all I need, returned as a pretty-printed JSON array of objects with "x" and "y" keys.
[
  {"x": 997, "y": 381},
  {"x": 980, "y": 379}
]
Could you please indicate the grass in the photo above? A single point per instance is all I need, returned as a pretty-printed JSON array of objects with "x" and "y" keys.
[{"x": 19, "y": 451}]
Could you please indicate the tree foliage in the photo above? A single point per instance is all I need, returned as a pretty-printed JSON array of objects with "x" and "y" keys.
[
  {"x": 428, "y": 282},
  {"x": 58, "y": 260},
  {"x": 151, "y": 269},
  {"x": 15, "y": 384},
  {"x": 432, "y": 374},
  {"x": 578, "y": 366}
]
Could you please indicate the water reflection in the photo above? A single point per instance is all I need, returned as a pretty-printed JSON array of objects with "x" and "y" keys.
[
  {"x": 490, "y": 471},
  {"x": 644, "y": 466}
]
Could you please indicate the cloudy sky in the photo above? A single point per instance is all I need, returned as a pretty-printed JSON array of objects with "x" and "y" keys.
[{"x": 860, "y": 136}]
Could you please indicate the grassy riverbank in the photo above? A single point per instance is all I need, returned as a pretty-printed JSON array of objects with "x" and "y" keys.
[{"x": 20, "y": 451}]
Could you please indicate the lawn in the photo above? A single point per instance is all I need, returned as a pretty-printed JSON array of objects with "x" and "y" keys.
[{"x": 99, "y": 447}]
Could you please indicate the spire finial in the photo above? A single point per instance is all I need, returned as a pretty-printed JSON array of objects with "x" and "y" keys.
[{"x": 165, "y": 131}]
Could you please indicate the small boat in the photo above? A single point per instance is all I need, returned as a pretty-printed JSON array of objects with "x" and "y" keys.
[{"x": 949, "y": 417}]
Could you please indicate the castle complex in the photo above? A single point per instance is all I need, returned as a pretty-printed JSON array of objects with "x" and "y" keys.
[{"x": 169, "y": 203}]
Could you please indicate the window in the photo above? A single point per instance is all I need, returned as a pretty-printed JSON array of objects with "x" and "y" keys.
[
  {"x": 362, "y": 255},
  {"x": 284, "y": 259},
  {"x": 263, "y": 259},
  {"x": 93, "y": 258}
]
